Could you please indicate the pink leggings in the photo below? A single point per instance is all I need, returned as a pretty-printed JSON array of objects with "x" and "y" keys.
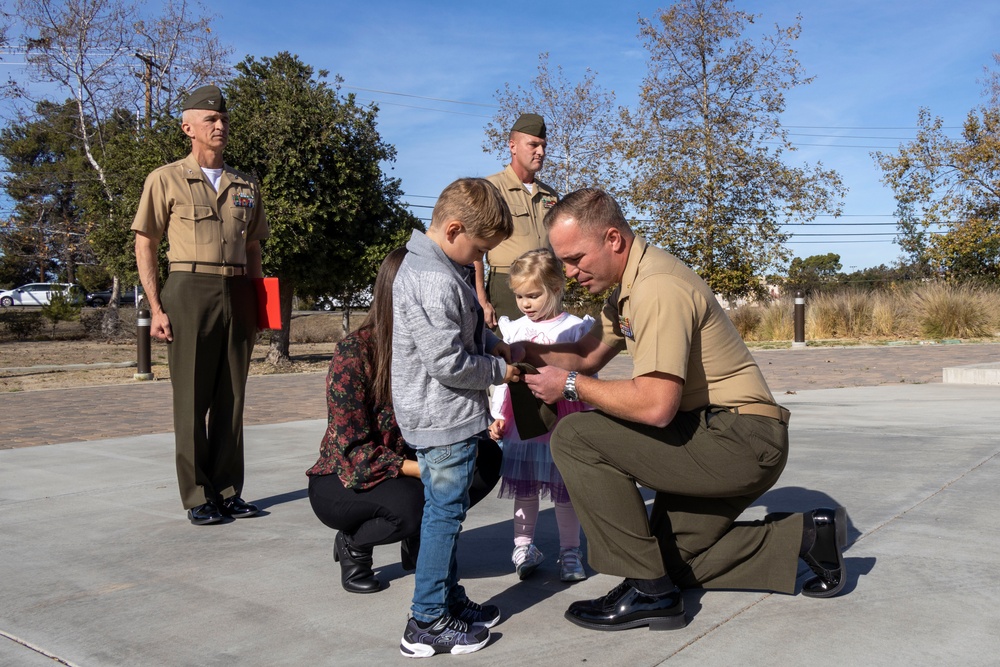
[{"x": 526, "y": 516}]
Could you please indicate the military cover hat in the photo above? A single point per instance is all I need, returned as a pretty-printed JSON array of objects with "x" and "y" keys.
[
  {"x": 207, "y": 97},
  {"x": 530, "y": 123}
]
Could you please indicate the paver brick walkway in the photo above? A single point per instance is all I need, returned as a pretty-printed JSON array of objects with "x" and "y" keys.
[{"x": 92, "y": 413}]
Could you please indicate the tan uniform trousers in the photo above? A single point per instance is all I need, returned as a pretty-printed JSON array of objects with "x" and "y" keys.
[
  {"x": 214, "y": 324},
  {"x": 705, "y": 469}
]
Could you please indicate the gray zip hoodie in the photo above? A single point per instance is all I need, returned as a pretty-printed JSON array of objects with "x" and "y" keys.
[{"x": 441, "y": 367}]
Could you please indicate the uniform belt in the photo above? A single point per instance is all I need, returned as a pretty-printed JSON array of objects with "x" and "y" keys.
[
  {"x": 227, "y": 270},
  {"x": 775, "y": 412}
]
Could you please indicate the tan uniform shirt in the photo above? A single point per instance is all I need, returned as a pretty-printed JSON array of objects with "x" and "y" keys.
[
  {"x": 202, "y": 225},
  {"x": 670, "y": 322},
  {"x": 528, "y": 211}
]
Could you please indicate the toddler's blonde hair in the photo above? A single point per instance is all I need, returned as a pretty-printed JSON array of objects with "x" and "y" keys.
[{"x": 540, "y": 267}]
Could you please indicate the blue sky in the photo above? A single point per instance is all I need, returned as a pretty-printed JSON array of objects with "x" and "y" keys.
[{"x": 875, "y": 63}]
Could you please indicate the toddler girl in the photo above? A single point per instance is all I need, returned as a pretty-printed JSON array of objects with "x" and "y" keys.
[{"x": 538, "y": 283}]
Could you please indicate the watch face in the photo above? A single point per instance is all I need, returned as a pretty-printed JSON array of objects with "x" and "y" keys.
[{"x": 569, "y": 391}]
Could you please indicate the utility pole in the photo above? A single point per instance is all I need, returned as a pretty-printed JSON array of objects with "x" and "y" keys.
[{"x": 147, "y": 79}]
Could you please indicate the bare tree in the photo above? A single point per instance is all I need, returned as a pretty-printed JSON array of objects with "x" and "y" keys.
[
  {"x": 178, "y": 52},
  {"x": 580, "y": 120},
  {"x": 112, "y": 61},
  {"x": 81, "y": 46}
]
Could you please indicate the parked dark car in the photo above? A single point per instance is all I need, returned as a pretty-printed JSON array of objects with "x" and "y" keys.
[{"x": 103, "y": 298}]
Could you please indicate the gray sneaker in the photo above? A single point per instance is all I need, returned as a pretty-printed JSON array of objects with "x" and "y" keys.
[
  {"x": 571, "y": 565},
  {"x": 445, "y": 635},
  {"x": 526, "y": 559}
]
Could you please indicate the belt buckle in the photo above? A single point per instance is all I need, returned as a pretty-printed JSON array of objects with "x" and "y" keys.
[{"x": 228, "y": 271}]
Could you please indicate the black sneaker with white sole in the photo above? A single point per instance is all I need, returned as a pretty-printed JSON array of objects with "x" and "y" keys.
[{"x": 445, "y": 635}]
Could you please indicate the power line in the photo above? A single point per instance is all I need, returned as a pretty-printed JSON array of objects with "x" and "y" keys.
[{"x": 422, "y": 97}]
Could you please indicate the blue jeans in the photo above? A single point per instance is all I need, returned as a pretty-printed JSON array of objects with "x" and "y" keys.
[{"x": 447, "y": 474}]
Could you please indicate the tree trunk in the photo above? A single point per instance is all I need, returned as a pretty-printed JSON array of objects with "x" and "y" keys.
[
  {"x": 278, "y": 354},
  {"x": 345, "y": 321}
]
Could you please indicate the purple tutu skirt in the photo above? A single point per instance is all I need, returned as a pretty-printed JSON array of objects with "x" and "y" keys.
[{"x": 528, "y": 469}]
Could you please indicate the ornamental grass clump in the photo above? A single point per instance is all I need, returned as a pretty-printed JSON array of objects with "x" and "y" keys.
[
  {"x": 747, "y": 319},
  {"x": 955, "y": 311},
  {"x": 777, "y": 321}
]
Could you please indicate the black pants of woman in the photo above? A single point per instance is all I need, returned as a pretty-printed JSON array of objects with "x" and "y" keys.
[{"x": 390, "y": 512}]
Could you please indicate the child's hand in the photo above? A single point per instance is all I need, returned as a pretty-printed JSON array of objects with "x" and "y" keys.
[
  {"x": 513, "y": 374},
  {"x": 502, "y": 349},
  {"x": 497, "y": 429}
]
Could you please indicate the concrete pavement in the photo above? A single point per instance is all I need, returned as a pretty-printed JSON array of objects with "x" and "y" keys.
[{"x": 99, "y": 567}]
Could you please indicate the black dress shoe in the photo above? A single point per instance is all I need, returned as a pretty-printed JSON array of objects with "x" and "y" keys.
[
  {"x": 627, "y": 607},
  {"x": 825, "y": 557},
  {"x": 205, "y": 514},
  {"x": 356, "y": 573},
  {"x": 237, "y": 508},
  {"x": 409, "y": 548}
]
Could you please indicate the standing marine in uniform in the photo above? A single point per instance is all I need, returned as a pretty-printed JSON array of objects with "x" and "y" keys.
[
  {"x": 214, "y": 220},
  {"x": 528, "y": 200},
  {"x": 696, "y": 423}
]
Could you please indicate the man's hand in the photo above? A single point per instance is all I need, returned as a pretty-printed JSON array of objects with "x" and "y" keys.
[
  {"x": 497, "y": 429},
  {"x": 489, "y": 314},
  {"x": 160, "y": 327},
  {"x": 548, "y": 383},
  {"x": 502, "y": 349}
]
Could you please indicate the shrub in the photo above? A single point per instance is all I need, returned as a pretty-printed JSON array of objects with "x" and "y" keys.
[
  {"x": 858, "y": 314},
  {"x": 60, "y": 309},
  {"x": 778, "y": 321},
  {"x": 746, "y": 319},
  {"x": 22, "y": 325},
  {"x": 889, "y": 316},
  {"x": 954, "y": 311},
  {"x": 824, "y": 317}
]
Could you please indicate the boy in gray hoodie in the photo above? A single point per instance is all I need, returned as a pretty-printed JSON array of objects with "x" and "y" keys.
[{"x": 443, "y": 361}]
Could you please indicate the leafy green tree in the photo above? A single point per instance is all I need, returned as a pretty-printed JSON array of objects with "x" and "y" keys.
[
  {"x": 913, "y": 239},
  {"x": 317, "y": 156},
  {"x": 952, "y": 184},
  {"x": 133, "y": 150},
  {"x": 44, "y": 176},
  {"x": 813, "y": 272},
  {"x": 16, "y": 257},
  {"x": 707, "y": 149}
]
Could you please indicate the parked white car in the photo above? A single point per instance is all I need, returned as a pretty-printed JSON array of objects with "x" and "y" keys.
[{"x": 39, "y": 294}]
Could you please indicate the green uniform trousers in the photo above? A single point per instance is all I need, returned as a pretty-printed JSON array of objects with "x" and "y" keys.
[
  {"x": 501, "y": 295},
  {"x": 214, "y": 325},
  {"x": 706, "y": 468}
]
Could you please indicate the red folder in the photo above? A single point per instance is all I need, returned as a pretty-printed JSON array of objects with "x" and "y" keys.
[{"x": 268, "y": 303}]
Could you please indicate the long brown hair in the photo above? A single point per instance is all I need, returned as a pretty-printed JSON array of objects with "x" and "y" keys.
[{"x": 379, "y": 320}]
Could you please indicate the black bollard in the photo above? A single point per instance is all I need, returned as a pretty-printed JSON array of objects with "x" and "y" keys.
[
  {"x": 800, "y": 320},
  {"x": 143, "y": 324}
]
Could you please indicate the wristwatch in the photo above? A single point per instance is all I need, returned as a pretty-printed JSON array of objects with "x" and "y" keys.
[{"x": 569, "y": 391}]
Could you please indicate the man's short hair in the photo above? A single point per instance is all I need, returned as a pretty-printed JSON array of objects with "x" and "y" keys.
[
  {"x": 593, "y": 209},
  {"x": 477, "y": 204}
]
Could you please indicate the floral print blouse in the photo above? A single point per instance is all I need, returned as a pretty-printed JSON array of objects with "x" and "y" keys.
[{"x": 362, "y": 444}]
